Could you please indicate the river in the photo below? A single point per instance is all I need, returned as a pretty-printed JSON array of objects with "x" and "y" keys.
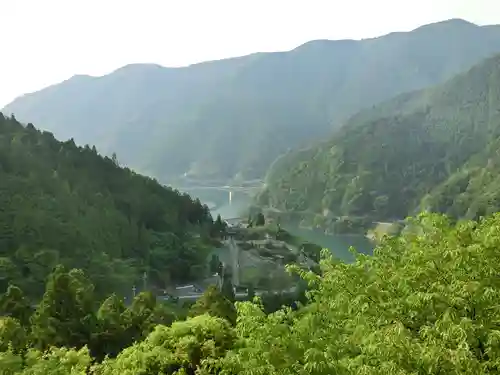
[{"x": 338, "y": 244}]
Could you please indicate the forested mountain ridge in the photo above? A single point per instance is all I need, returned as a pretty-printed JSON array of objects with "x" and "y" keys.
[
  {"x": 235, "y": 116},
  {"x": 433, "y": 149},
  {"x": 63, "y": 204}
]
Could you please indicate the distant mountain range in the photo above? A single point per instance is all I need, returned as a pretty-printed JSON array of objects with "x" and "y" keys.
[
  {"x": 435, "y": 149},
  {"x": 234, "y": 117}
]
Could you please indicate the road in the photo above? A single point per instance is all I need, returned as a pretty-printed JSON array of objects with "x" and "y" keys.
[
  {"x": 237, "y": 295},
  {"x": 276, "y": 210},
  {"x": 235, "y": 261}
]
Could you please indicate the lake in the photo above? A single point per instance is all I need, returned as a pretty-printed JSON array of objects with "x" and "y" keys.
[{"x": 338, "y": 244}]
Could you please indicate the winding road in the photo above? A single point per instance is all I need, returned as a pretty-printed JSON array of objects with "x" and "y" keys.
[{"x": 237, "y": 295}]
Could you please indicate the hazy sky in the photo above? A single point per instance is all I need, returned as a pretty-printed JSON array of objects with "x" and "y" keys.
[{"x": 47, "y": 41}]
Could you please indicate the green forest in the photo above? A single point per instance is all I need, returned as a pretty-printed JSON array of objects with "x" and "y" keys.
[
  {"x": 424, "y": 303},
  {"x": 63, "y": 204},
  {"x": 87, "y": 246},
  {"x": 435, "y": 149}
]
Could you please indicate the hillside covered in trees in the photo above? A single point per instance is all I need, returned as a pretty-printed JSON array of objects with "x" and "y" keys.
[
  {"x": 433, "y": 149},
  {"x": 233, "y": 117},
  {"x": 424, "y": 304},
  {"x": 63, "y": 204}
]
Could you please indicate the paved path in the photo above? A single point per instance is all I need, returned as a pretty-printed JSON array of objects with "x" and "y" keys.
[{"x": 237, "y": 295}]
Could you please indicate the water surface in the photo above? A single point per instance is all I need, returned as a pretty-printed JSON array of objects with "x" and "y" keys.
[{"x": 338, "y": 244}]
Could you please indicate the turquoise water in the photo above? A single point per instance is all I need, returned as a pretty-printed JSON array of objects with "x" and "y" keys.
[{"x": 337, "y": 244}]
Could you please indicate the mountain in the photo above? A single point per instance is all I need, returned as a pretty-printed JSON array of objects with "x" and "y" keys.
[
  {"x": 434, "y": 149},
  {"x": 63, "y": 204},
  {"x": 233, "y": 117}
]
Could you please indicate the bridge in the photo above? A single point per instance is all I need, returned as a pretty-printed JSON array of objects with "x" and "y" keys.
[
  {"x": 217, "y": 182},
  {"x": 230, "y": 189},
  {"x": 222, "y": 188}
]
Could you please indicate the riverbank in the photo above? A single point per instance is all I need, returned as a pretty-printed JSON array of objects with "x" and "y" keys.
[
  {"x": 332, "y": 225},
  {"x": 326, "y": 222},
  {"x": 382, "y": 229}
]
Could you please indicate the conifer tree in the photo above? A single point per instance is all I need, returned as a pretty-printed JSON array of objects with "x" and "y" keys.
[{"x": 65, "y": 315}]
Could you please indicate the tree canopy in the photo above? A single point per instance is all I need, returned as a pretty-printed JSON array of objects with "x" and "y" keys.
[
  {"x": 424, "y": 303},
  {"x": 63, "y": 204},
  {"x": 434, "y": 149}
]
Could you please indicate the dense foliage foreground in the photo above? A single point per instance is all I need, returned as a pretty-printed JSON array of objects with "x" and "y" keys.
[{"x": 425, "y": 303}]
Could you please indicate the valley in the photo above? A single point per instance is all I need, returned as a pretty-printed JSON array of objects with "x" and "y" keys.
[
  {"x": 241, "y": 202},
  {"x": 329, "y": 209},
  {"x": 231, "y": 118}
]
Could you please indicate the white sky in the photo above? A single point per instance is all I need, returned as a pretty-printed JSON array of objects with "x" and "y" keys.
[{"x": 47, "y": 41}]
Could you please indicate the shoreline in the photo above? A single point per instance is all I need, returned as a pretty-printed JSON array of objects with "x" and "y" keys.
[{"x": 371, "y": 229}]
